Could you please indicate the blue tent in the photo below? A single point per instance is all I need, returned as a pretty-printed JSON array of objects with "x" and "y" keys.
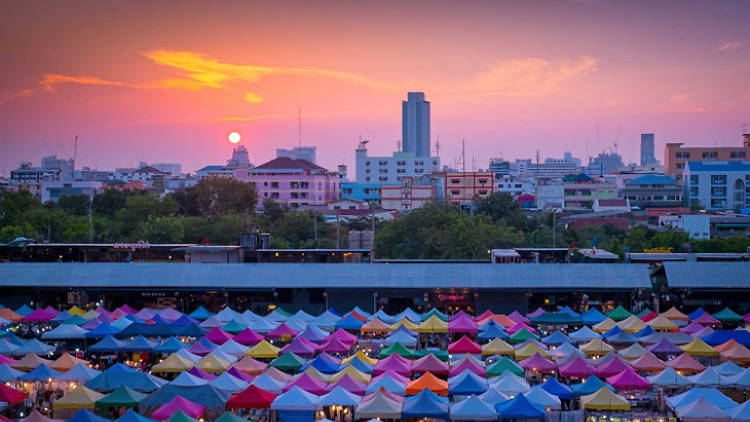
[
  {"x": 314, "y": 334},
  {"x": 296, "y": 399},
  {"x": 383, "y": 316},
  {"x": 518, "y": 408},
  {"x": 593, "y": 317},
  {"x": 40, "y": 373},
  {"x": 566, "y": 309},
  {"x": 140, "y": 344},
  {"x": 400, "y": 337},
  {"x": 390, "y": 385},
  {"x": 108, "y": 344},
  {"x": 188, "y": 330},
  {"x": 85, "y": 415},
  {"x": 553, "y": 386},
  {"x": 323, "y": 365},
  {"x": 8, "y": 374},
  {"x": 612, "y": 332},
  {"x": 467, "y": 383},
  {"x": 13, "y": 338},
  {"x": 201, "y": 314},
  {"x": 493, "y": 331},
  {"x": 133, "y": 416},
  {"x": 25, "y": 310},
  {"x": 426, "y": 404},
  {"x": 349, "y": 323},
  {"x": 359, "y": 365},
  {"x": 473, "y": 409},
  {"x": 184, "y": 320},
  {"x": 169, "y": 345},
  {"x": 409, "y": 314},
  {"x": 692, "y": 315},
  {"x": 646, "y": 331},
  {"x": 582, "y": 335},
  {"x": 212, "y": 398},
  {"x": 119, "y": 374},
  {"x": 102, "y": 330},
  {"x": 722, "y": 336},
  {"x": 37, "y": 347},
  {"x": 339, "y": 397},
  {"x": 65, "y": 332},
  {"x": 148, "y": 330},
  {"x": 557, "y": 338},
  {"x": 7, "y": 348},
  {"x": 80, "y": 372},
  {"x": 712, "y": 395},
  {"x": 590, "y": 386},
  {"x": 62, "y": 316},
  {"x": 621, "y": 338}
]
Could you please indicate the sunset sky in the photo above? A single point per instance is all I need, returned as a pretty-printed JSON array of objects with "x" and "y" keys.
[{"x": 167, "y": 81}]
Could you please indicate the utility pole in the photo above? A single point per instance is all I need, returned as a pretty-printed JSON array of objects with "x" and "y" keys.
[
  {"x": 299, "y": 126},
  {"x": 463, "y": 155},
  {"x": 338, "y": 213}
]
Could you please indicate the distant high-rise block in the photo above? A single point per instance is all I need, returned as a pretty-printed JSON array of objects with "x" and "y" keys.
[
  {"x": 415, "y": 124},
  {"x": 647, "y": 149}
]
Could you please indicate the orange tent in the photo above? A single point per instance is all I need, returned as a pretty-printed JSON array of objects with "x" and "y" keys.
[
  {"x": 8, "y": 314},
  {"x": 731, "y": 344},
  {"x": 375, "y": 325},
  {"x": 66, "y": 361},
  {"x": 500, "y": 319},
  {"x": 427, "y": 380},
  {"x": 738, "y": 353}
]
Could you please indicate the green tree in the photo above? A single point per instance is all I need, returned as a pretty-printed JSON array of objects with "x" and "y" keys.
[
  {"x": 164, "y": 230},
  {"x": 220, "y": 196},
  {"x": 109, "y": 202},
  {"x": 74, "y": 205},
  {"x": 502, "y": 208},
  {"x": 15, "y": 206}
]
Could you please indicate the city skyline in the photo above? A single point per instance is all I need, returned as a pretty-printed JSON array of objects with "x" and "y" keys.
[{"x": 504, "y": 76}]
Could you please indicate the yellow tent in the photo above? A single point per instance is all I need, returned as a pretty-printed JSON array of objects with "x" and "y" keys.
[
  {"x": 375, "y": 325},
  {"x": 90, "y": 315},
  {"x": 361, "y": 356},
  {"x": 80, "y": 398},
  {"x": 698, "y": 347},
  {"x": 211, "y": 363},
  {"x": 173, "y": 363},
  {"x": 75, "y": 310},
  {"x": 662, "y": 323},
  {"x": 530, "y": 350},
  {"x": 631, "y": 324},
  {"x": 604, "y": 399},
  {"x": 263, "y": 350},
  {"x": 596, "y": 347},
  {"x": 314, "y": 373},
  {"x": 433, "y": 324},
  {"x": 673, "y": 314},
  {"x": 406, "y": 323},
  {"x": 604, "y": 326},
  {"x": 497, "y": 347},
  {"x": 353, "y": 373},
  {"x": 66, "y": 361}
]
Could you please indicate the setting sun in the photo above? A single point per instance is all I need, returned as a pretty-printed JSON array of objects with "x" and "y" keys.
[{"x": 234, "y": 137}]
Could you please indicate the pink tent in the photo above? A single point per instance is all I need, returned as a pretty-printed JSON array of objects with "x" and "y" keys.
[
  {"x": 460, "y": 314},
  {"x": 538, "y": 363},
  {"x": 516, "y": 316},
  {"x": 430, "y": 363},
  {"x": 278, "y": 374},
  {"x": 349, "y": 384},
  {"x": 613, "y": 367},
  {"x": 335, "y": 345},
  {"x": 484, "y": 315},
  {"x": 248, "y": 337},
  {"x": 117, "y": 313},
  {"x": 707, "y": 320},
  {"x": 394, "y": 363},
  {"x": 518, "y": 326},
  {"x": 300, "y": 346},
  {"x": 685, "y": 363},
  {"x": 9, "y": 361},
  {"x": 52, "y": 311},
  {"x": 628, "y": 379},
  {"x": 385, "y": 393},
  {"x": 164, "y": 412},
  {"x": 127, "y": 309},
  {"x": 464, "y": 345},
  {"x": 307, "y": 383},
  {"x": 394, "y": 376},
  {"x": 39, "y": 315},
  {"x": 577, "y": 368},
  {"x": 462, "y": 324},
  {"x": 648, "y": 362},
  {"x": 498, "y": 318},
  {"x": 467, "y": 365},
  {"x": 691, "y": 328},
  {"x": 218, "y": 336},
  {"x": 281, "y": 331},
  {"x": 536, "y": 313},
  {"x": 344, "y": 337},
  {"x": 145, "y": 313}
]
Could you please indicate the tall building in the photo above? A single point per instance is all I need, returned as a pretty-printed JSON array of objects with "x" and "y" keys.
[
  {"x": 240, "y": 158},
  {"x": 298, "y": 153},
  {"x": 174, "y": 169},
  {"x": 389, "y": 170},
  {"x": 415, "y": 124},
  {"x": 647, "y": 149},
  {"x": 66, "y": 167},
  {"x": 676, "y": 155},
  {"x": 717, "y": 186},
  {"x": 604, "y": 163}
]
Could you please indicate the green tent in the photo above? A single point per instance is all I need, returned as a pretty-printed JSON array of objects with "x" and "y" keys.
[
  {"x": 283, "y": 312},
  {"x": 434, "y": 311},
  {"x": 619, "y": 313},
  {"x": 556, "y": 318},
  {"x": 398, "y": 349},
  {"x": 522, "y": 335},
  {"x": 180, "y": 416},
  {"x": 643, "y": 313},
  {"x": 440, "y": 354},
  {"x": 121, "y": 397},
  {"x": 288, "y": 362},
  {"x": 230, "y": 417},
  {"x": 233, "y": 327},
  {"x": 503, "y": 365},
  {"x": 728, "y": 315}
]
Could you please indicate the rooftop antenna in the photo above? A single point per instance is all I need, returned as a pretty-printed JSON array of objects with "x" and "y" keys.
[
  {"x": 75, "y": 151},
  {"x": 437, "y": 146},
  {"x": 299, "y": 126},
  {"x": 463, "y": 155}
]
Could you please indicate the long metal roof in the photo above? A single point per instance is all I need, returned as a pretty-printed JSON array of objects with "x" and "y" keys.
[
  {"x": 291, "y": 275},
  {"x": 708, "y": 275}
]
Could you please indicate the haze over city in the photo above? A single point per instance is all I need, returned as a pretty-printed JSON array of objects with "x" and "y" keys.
[{"x": 509, "y": 77}]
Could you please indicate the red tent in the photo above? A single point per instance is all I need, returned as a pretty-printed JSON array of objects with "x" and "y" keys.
[
  {"x": 11, "y": 395},
  {"x": 251, "y": 398}
]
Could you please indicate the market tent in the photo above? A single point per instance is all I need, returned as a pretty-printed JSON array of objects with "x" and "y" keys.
[
  {"x": 722, "y": 336},
  {"x": 375, "y": 325},
  {"x": 543, "y": 399},
  {"x": 612, "y": 366},
  {"x": 596, "y": 346},
  {"x": 728, "y": 368},
  {"x": 250, "y": 366},
  {"x": 504, "y": 365},
  {"x": 707, "y": 320},
  {"x": 406, "y": 323},
  {"x": 66, "y": 361},
  {"x": 229, "y": 383},
  {"x": 632, "y": 324},
  {"x": 517, "y": 317},
  {"x": 352, "y": 371},
  {"x": 296, "y": 399},
  {"x": 349, "y": 384},
  {"x": 462, "y": 323},
  {"x": 604, "y": 399},
  {"x": 34, "y": 346},
  {"x": 40, "y": 373},
  {"x": 467, "y": 383},
  {"x": 577, "y": 368},
  {"x": 728, "y": 315},
  {"x": 472, "y": 409},
  {"x": 339, "y": 396},
  {"x": 430, "y": 363},
  {"x": 510, "y": 384},
  {"x": 467, "y": 364},
  {"x": 426, "y": 404},
  {"x": 11, "y": 395},
  {"x": 592, "y": 316},
  {"x": 433, "y": 324},
  {"x": 709, "y": 378},
  {"x": 268, "y": 383},
  {"x": 701, "y": 410},
  {"x": 518, "y": 408},
  {"x": 85, "y": 415},
  {"x": 464, "y": 345},
  {"x": 497, "y": 347},
  {"x": 8, "y": 374},
  {"x": 664, "y": 347},
  {"x": 119, "y": 374},
  {"x": 698, "y": 347},
  {"x": 173, "y": 363},
  {"x": 738, "y": 353},
  {"x": 740, "y": 413},
  {"x": 393, "y": 363},
  {"x": 529, "y": 350},
  {"x": 350, "y": 323},
  {"x": 65, "y": 332},
  {"x": 565, "y": 353},
  {"x": 121, "y": 397},
  {"x": 662, "y": 323},
  {"x": 619, "y": 313},
  {"x": 632, "y": 352},
  {"x": 213, "y": 399},
  {"x": 685, "y": 363},
  {"x": 628, "y": 379},
  {"x": 669, "y": 378},
  {"x": 263, "y": 350},
  {"x": 380, "y": 404},
  {"x": 38, "y": 315},
  {"x": 35, "y": 416},
  {"x": 557, "y": 338},
  {"x": 251, "y": 398},
  {"x": 675, "y": 315},
  {"x": 233, "y": 327},
  {"x": 288, "y": 362},
  {"x": 79, "y": 398},
  {"x": 133, "y": 416},
  {"x": 427, "y": 381},
  {"x": 712, "y": 395},
  {"x": 191, "y": 409},
  {"x": 583, "y": 335},
  {"x": 388, "y": 382},
  {"x": 101, "y": 331},
  {"x": 248, "y": 337},
  {"x": 648, "y": 363},
  {"x": 108, "y": 344},
  {"x": 79, "y": 373},
  {"x": 605, "y": 325},
  {"x": 307, "y": 383},
  {"x": 590, "y": 386},
  {"x": 556, "y": 318},
  {"x": 537, "y": 362},
  {"x": 553, "y": 386}
]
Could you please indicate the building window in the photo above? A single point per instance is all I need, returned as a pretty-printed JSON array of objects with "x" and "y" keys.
[
  {"x": 400, "y": 163},
  {"x": 274, "y": 195},
  {"x": 680, "y": 166},
  {"x": 718, "y": 191},
  {"x": 718, "y": 179},
  {"x": 710, "y": 155},
  {"x": 682, "y": 155},
  {"x": 737, "y": 154},
  {"x": 383, "y": 171},
  {"x": 694, "y": 180},
  {"x": 274, "y": 185},
  {"x": 694, "y": 192},
  {"x": 455, "y": 192},
  {"x": 383, "y": 162},
  {"x": 455, "y": 181}
]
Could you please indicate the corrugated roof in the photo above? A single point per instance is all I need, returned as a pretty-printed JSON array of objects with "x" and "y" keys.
[
  {"x": 708, "y": 275},
  {"x": 269, "y": 275},
  {"x": 719, "y": 165},
  {"x": 652, "y": 179},
  {"x": 286, "y": 163}
]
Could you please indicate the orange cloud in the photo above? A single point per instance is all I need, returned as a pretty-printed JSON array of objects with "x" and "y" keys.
[
  {"x": 253, "y": 98},
  {"x": 532, "y": 76},
  {"x": 52, "y": 79}
]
